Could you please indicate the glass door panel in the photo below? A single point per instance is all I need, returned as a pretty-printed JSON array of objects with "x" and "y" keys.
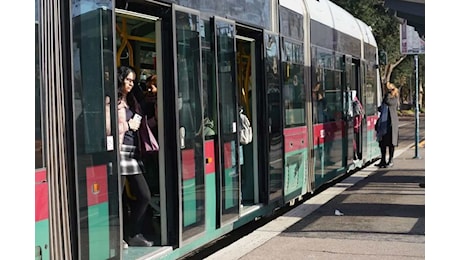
[
  {"x": 96, "y": 153},
  {"x": 275, "y": 127},
  {"x": 189, "y": 104},
  {"x": 348, "y": 110},
  {"x": 224, "y": 32}
]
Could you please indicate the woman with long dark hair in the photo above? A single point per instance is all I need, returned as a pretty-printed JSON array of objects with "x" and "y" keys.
[{"x": 131, "y": 166}]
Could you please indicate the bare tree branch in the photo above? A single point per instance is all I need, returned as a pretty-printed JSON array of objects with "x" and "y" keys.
[{"x": 390, "y": 67}]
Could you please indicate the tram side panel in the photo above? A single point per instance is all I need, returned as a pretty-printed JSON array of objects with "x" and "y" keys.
[
  {"x": 295, "y": 153},
  {"x": 328, "y": 149},
  {"x": 41, "y": 215},
  {"x": 294, "y": 103},
  {"x": 42, "y": 230},
  {"x": 335, "y": 51}
]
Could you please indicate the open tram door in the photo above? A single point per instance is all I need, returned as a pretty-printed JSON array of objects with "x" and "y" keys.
[
  {"x": 96, "y": 233},
  {"x": 139, "y": 45},
  {"x": 187, "y": 103},
  {"x": 273, "y": 122},
  {"x": 352, "y": 145},
  {"x": 228, "y": 144},
  {"x": 246, "y": 78},
  {"x": 236, "y": 81}
]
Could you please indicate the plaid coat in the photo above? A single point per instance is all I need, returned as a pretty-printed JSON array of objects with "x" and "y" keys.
[{"x": 130, "y": 163}]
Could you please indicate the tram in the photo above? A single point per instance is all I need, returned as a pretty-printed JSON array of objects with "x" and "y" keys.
[{"x": 293, "y": 67}]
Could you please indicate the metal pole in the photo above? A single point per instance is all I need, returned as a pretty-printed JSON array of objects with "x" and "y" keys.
[{"x": 416, "y": 108}]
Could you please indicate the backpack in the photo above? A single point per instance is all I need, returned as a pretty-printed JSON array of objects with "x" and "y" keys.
[{"x": 246, "y": 130}]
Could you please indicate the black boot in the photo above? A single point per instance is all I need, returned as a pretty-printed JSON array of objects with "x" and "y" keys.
[{"x": 382, "y": 163}]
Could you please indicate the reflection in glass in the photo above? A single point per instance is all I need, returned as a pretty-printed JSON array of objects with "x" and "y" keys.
[
  {"x": 39, "y": 153},
  {"x": 93, "y": 65},
  {"x": 329, "y": 76},
  {"x": 255, "y": 12},
  {"x": 190, "y": 118},
  {"x": 293, "y": 87},
  {"x": 327, "y": 104},
  {"x": 209, "y": 90},
  {"x": 274, "y": 116},
  {"x": 226, "y": 69}
]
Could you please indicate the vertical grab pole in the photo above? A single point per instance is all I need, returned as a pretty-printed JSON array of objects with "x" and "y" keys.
[{"x": 416, "y": 108}]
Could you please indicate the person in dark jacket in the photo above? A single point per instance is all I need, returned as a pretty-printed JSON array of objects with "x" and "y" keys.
[{"x": 388, "y": 125}]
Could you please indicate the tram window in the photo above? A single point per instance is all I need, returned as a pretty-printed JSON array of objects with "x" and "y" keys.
[
  {"x": 293, "y": 87},
  {"x": 291, "y": 23},
  {"x": 332, "y": 94},
  {"x": 91, "y": 86},
  {"x": 370, "y": 91},
  {"x": 328, "y": 69},
  {"x": 330, "y": 83}
]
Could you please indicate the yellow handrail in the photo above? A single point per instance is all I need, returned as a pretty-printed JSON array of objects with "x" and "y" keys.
[{"x": 125, "y": 38}]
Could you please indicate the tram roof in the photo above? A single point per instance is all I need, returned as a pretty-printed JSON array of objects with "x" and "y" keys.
[
  {"x": 368, "y": 37},
  {"x": 332, "y": 15}
]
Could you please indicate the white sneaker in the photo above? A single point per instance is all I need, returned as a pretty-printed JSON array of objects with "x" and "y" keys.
[
  {"x": 139, "y": 240},
  {"x": 125, "y": 245}
]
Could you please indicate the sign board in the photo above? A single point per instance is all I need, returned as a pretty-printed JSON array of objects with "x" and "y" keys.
[{"x": 410, "y": 41}]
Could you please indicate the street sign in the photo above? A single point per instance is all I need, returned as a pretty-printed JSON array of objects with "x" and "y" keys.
[{"x": 410, "y": 41}]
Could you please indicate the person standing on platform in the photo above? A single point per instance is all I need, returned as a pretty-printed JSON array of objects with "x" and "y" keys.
[{"x": 387, "y": 126}]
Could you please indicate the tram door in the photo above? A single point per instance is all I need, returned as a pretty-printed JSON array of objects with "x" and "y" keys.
[
  {"x": 229, "y": 145},
  {"x": 189, "y": 107},
  {"x": 247, "y": 87},
  {"x": 274, "y": 118},
  {"x": 350, "y": 91},
  {"x": 138, "y": 45},
  {"x": 94, "y": 117}
]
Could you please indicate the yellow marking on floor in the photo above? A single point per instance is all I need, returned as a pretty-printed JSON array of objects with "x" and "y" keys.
[{"x": 420, "y": 144}]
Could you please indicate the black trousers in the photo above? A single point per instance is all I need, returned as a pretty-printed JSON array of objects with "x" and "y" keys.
[
  {"x": 384, "y": 143},
  {"x": 133, "y": 223}
]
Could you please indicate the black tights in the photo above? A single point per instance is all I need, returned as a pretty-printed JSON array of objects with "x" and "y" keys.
[
  {"x": 383, "y": 151},
  {"x": 140, "y": 189}
]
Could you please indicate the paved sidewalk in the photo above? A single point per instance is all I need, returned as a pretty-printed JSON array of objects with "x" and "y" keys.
[{"x": 383, "y": 218}]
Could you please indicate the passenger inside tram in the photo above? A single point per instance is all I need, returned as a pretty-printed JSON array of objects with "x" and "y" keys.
[
  {"x": 151, "y": 160},
  {"x": 358, "y": 114},
  {"x": 151, "y": 84},
  {"x": 149, "y": 103},
  {"x": 320, "y": 104},
  {"x": 131, "y": 167}
]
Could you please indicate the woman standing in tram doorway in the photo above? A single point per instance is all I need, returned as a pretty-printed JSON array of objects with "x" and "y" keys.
[{"x": 131, "y": 167}]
